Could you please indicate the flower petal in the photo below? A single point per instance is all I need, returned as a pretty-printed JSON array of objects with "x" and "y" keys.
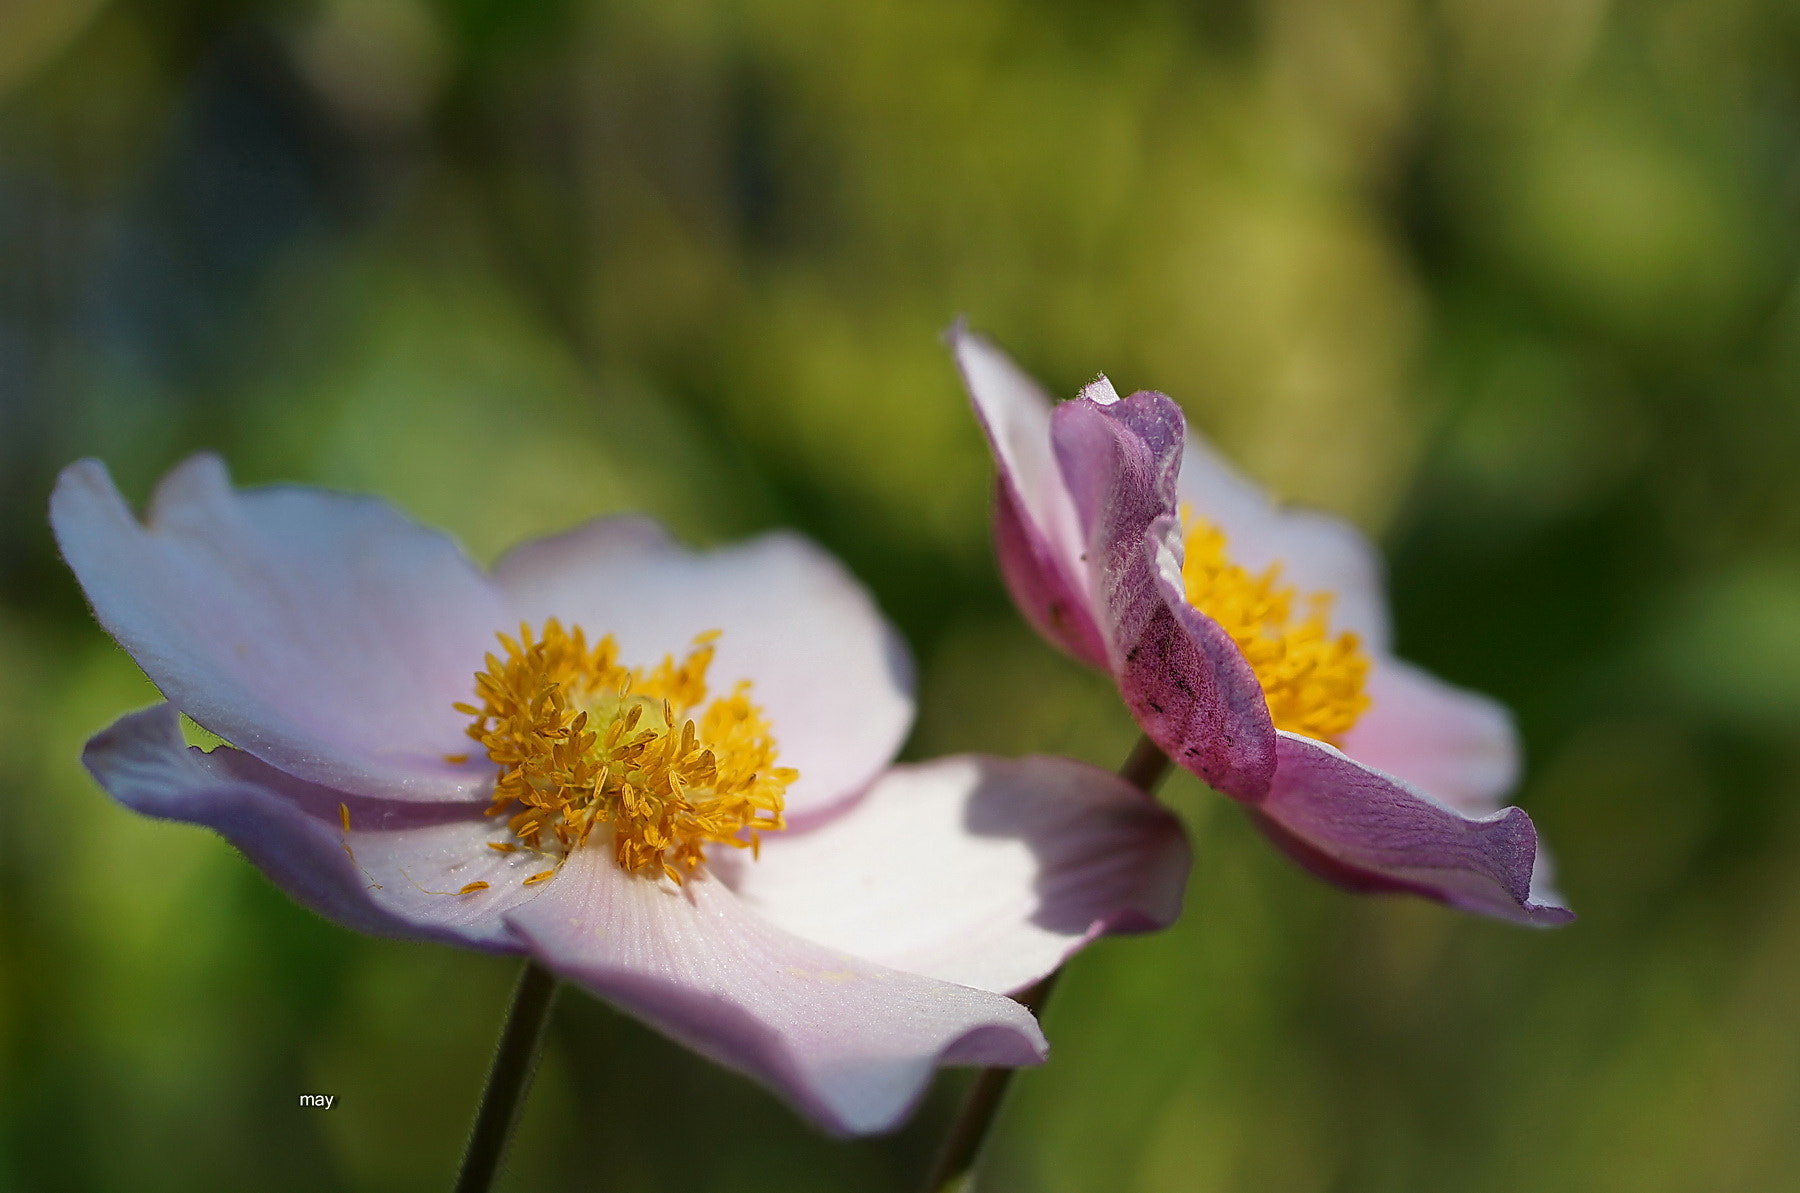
[
  {"x": 1317, "y": 552},
  {"x": 1459, "y": 746},
  {"x": 395, "y": 873},
  {"x": 324, "y": 633},
  {"x": 1181, "y": 675},
  {"x": 850, "y": 1043},
  {"x": 1371, "y": 832},
  {"x": 1543, "y": 880},
  {"x": 1054, "y": 602},
  {"x": 1036, "y": 535},
  {"x": 987, "y": 872},
  {"x": 834, "y": 678}
]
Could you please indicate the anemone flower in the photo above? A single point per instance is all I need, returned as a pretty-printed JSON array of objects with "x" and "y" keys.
[
  {"x": 1250, "y": 642},
  {"x": 661, "y": 773}
]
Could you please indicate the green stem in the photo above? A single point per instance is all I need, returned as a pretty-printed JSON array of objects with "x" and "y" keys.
[
  {"x": 508, "y": 1080},
  {"x": 1146, "y": 766},
  {"x": 953, "y": 1172}
]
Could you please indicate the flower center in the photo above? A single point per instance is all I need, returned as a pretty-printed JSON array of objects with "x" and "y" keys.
[
  {"x": 1312, "y": 680},
  {"x": 586, "y": 745}
]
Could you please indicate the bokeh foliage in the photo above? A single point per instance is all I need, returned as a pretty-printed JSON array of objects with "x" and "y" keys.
[{"x": 1509, "y": 282}]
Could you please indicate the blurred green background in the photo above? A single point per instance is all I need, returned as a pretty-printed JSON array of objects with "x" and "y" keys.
[{"x": 1509, "y": 282}]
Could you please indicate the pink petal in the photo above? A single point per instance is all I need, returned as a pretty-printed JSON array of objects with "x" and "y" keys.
[
  {"x": 1371, "y": 832},
  {"x": 1456, "y": 744},
  {"x": 1051, "y": 600},
  {"x": 850, "y": 1043},
  {"x": 987, "y": 872},
  {"x": 1181, "y": 675},
  {"x": 833, "y": 677},
  {"x": 1543, "y": 881},
  {"x": 324, "y": 633},
  {"x": 1317, "y": 552},
  {"x": 405, "y": 859},
  {"x": 1037, "y": 537}
]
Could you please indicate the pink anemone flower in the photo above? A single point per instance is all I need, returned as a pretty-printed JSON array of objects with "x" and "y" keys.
[
  {"x": 714, "y": 842},
  {"x": 1250, "y": 642}
]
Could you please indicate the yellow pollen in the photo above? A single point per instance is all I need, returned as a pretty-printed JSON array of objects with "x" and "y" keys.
[
  {"x": 637, "y": 758},
  {"x": 1312, "y": 680}
]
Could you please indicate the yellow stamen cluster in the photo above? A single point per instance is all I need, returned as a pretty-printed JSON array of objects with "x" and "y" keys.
[
  {"x": 585, "y": 744},
  {"x": 1312, "y": 680}
]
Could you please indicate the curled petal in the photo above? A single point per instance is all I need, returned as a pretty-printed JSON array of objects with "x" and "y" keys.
[
  {"x": 1456, "y": 744},
  {"x": 1370, "y": 832},
  {"x": 326, "y": 634},
  {"x": 1317, "y": 552},
  {"x": 396, "y": 872},
  {"x": 987, "y": 872},
  {"x": 1543, "y": 880},
  {"x": 1053, "y": 600},
  {"x": 832, "y": 675},
  {"x": 1181, "y": 675},
  {"x": 1037, "y": 536},
  {"x": 852, "y": 1044}
]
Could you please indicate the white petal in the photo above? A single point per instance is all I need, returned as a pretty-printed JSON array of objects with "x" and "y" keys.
[
  {"x": 1456, "y": 744},
  {"x": 396, "y": 872},
  {"x": 850, "y": 1043},
  {"x": 1015, "y": 413},
  {"x": 988, "y": 872},
  {"x": 1317, "y": 552},
  {"x": 324, "y": 633}
]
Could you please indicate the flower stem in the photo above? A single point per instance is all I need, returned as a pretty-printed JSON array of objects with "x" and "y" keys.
[
  {"x": 1146, "y": 766},
  {"x": 507, "y": 1081},
  {"x": 954, "y": 1171}
]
